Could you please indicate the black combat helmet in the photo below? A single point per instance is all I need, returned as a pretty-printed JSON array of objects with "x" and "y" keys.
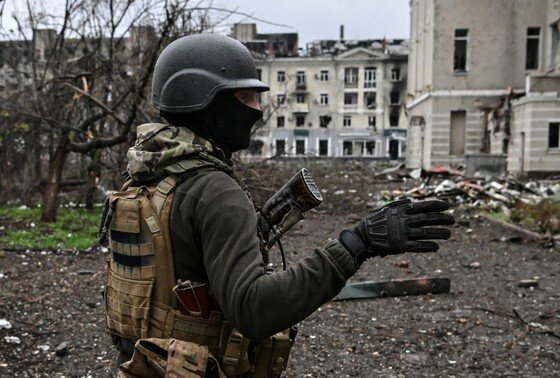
[{"x": 191, "y": 70}]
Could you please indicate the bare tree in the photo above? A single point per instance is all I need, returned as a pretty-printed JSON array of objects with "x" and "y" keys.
[{"x": 88, "y": 81}]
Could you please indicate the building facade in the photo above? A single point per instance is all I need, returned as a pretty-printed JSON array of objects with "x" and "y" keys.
[
  {"x": 484, "y": 82},
  {"x": 340, "y": 99}
]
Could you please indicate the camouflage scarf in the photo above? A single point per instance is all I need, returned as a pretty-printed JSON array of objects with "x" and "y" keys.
[{"x": 158, "y": 146}]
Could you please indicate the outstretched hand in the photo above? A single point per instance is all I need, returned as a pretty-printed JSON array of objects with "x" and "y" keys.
[{"x": 399, "y": 227}]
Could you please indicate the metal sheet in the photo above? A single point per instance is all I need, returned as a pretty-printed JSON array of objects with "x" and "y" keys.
[{"x": 394, "y": 288}]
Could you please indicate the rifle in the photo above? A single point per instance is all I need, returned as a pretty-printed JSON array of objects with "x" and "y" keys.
[{"x": 286, "y": 208}]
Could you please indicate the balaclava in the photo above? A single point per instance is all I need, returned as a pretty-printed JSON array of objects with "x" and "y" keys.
[{"x": 226, "y": 122}]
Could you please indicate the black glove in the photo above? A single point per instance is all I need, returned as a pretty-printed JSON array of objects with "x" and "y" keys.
[{"x": 397, "y": 228}]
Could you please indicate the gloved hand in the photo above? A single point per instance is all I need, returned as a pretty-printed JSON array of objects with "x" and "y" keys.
[{"x": 398, "y": 228}]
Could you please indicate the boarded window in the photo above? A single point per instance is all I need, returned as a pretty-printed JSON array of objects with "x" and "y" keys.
[
  {"x": 323, "y": 147},
  {"x": 460, "y": 51},
  {"x": 553, "y": 134},
  {"x": 457, "y": 133},
  {"x": 532, "y": 58}
]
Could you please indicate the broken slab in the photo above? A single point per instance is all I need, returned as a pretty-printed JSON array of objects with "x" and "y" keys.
[{"x": 394, "y": 288}]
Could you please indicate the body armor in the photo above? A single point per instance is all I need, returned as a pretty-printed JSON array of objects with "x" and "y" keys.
[{"x": 140, "y": 300}]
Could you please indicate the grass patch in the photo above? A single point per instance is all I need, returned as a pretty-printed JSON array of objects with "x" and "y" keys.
[
  {"x": 543, "y": 217},
  {"x": 75, "y": 228}
]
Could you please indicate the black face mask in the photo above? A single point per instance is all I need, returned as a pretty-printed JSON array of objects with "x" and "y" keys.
[
  {"x": 229, "y": 122},
  {"x": 226, "y": 122}
]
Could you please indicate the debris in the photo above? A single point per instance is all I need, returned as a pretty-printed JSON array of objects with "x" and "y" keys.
[
  {"x": 403, "y": 264},
  {"x": 84, "y": 272},
  {"x": 12, "y": 340},
  {"x": 2, "y": 254},
  {"x": 394, "y": 288},
  {"x": 44, "y": 348},
  {"x": 528, "y": 283},
  {"x": 474, "y": 265},
  {"x": 61, "y": 349},
  {"x": 4, "y": 324}
]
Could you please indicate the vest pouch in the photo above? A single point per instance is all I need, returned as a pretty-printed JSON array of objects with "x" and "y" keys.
[
  {"x": 169, "y": 358},
  {"x": 271, "y": 356},
  {"x": 128, "y": 306}
]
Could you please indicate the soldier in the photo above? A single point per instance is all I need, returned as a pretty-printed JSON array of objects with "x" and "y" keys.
[{"x": 184, "y": 216}]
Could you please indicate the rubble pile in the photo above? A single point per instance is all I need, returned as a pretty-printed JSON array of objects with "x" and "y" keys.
[{"x": 483, "y": 193}]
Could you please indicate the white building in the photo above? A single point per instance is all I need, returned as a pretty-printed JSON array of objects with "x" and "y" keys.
[
  {"x": 339, "y": 99},
  {"x": 484, "y": 81}
]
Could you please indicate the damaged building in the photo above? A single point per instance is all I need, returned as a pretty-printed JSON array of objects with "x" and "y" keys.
[
  {"x": 484, "y": 83},
  {"x": 337, "y": 98}
]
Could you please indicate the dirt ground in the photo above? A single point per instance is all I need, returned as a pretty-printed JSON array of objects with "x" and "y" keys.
[{"x": 486, "y": 326}]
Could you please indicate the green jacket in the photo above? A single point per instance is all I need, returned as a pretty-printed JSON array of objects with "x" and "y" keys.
[{"x": 214, "y": 235}]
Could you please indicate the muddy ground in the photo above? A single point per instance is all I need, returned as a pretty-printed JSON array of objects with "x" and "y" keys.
[{"x": 486, "y": 326}]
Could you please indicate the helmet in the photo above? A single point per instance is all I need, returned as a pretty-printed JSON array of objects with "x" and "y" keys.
[{"x": 192, "y": 69}]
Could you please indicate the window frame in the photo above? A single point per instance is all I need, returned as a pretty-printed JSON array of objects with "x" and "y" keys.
[
  {"x": 370, "y": 77},
  {"x": 456, "y": 40}
]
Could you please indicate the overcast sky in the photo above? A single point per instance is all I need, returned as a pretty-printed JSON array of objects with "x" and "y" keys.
[
  {"x": 321, "y": 19},
  {"x": 311, "y": 19}
]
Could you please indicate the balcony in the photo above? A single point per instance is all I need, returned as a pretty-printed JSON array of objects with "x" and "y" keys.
[{"x": 300, "y": 108}]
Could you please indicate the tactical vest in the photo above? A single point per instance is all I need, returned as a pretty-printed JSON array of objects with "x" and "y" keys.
[{"x": 139, "y": 297}]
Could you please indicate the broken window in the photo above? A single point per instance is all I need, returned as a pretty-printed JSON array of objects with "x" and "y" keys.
[
  {"x": 323, "y": 147},
  {"x": 394, "y": 118},
  {"x": 460, "y": 54},
  {"x": 347, "y": 148},
  {"x": 350, "y": 99},
  {"x": 300, "y": 120},
  {"x": 532, "y": 57},
  {"x": 324, "y": 120},
  {"x": 396, "y": 74},
  {"x": 457, "y": 132},
  {"x": 300, "y": 78},
  {"x": 255, "y": 148},
  {"x": 280, "y": 146},
  {"x": 300, "y": 98},
  {"x": 300, "y": 147},
  {"x": 347, "y": 121},
  {"x": 281, "y": 76},
  {"x": 324, "y": 99},
  {"x": 351, "y": 76},
  {"x": 395, "y": 98},
  {"x": 369, "y": 77},
  {"x": 280, "y": 121},
  {"x": 553, "y": 134},
  {"x": 370, "y": 148},
  {"x": 281, "y": 99},
  {"x": 371, "y": 121},
  {"x": 324, "y": 75},
  {"x": 369, "y": 100}
]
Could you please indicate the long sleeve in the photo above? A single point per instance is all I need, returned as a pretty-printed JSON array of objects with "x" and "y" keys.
[{"x": 257, "y": 304}]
